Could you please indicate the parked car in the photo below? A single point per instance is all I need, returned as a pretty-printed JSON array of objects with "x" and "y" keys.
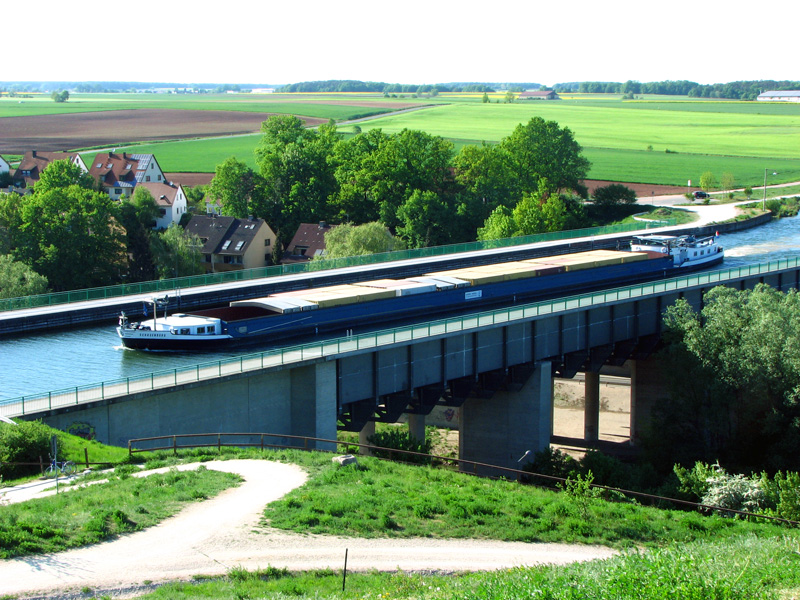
[{"x": 700, "y": 195}]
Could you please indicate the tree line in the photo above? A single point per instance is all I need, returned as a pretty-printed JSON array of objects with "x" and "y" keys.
[
  {"x": 411, "y": 182},
  {"x": 381, "y": 87},
  {"x": 736, "y": 90},
  {"x": 69, "y": 234}
]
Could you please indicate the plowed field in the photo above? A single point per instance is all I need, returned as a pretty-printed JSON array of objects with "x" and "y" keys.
[{"x": 121, "y": 127}]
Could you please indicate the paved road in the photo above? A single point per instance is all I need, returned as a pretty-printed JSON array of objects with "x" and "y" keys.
[{"x": 215, "y": 535}]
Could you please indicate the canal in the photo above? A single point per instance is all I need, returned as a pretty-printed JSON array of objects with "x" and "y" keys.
[{"x": 73, "y": 357}]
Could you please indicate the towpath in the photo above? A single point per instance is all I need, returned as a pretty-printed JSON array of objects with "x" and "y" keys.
[{"x": 216, "y": 535}]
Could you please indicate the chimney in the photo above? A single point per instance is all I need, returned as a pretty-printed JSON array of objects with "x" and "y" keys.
[
  {"x": 33, "y": 153},
  {"x": 322, "y": 224}
]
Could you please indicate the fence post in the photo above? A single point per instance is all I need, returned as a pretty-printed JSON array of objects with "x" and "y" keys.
[
  {"x": 130, "y": 451},
  {"x": 86, "y": 455},
  {"x": 175, "y": 445},
  {"x": 219, "y": 443}
]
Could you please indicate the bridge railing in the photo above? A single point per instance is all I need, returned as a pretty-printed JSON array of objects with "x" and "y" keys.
[
  {"x": 116, "y": 388},
  {"x": 169, "y": 285}
]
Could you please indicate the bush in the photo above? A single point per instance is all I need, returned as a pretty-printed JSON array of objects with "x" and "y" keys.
[
  {"x": 613, "y": 194},
  {"x": 736, "y": 492},
  {"x": 23, "y": 443},
  {"x": 399, "y": 439}
]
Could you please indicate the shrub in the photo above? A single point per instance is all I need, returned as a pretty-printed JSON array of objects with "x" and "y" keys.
[
  {"x": 551, "y": 462},
  {"x": 24, "y": 442},
  {"x": 613, "y": 194},
  {"x": 783, "y": 495},
  {"x": 399, "y": 439},
  {"x": 735, "y": 492}
]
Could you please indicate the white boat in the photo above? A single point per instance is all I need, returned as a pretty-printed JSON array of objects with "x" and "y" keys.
[{"x": 687, "y": 251}]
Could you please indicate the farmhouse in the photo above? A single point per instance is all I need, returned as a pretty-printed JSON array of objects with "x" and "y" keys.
[
  {"x": 308, "y": 242},
  {"x": 781, "y": 96},
  {"x": 121, "y": 173},
  {"x": 171, "y": 201},
  {"x": 4, "y": 166},
  {"x": 34, "y": 162},
  {"x": 539, "y": 95},
  {"x": 231, "y": 244}
]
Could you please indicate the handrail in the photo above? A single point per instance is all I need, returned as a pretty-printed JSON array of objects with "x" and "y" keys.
[
  {"x": 517, "y": 473},
  {"x": 192, "y": 281},
  {"x": 332, "y": 347}
]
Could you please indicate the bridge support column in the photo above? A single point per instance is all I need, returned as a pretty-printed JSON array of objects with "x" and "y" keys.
[
  {"x": 591, "y": 409},
  {"x": 366, "y": 432},
  {"x": 313, "y": 403},
  {"x": 416, "y": 426},
  {"x": 500, "y": 429},
  {"x": 648, "y": 386}
]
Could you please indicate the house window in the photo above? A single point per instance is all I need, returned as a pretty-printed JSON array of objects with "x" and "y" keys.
[
  {"x": 117, "y": 191},
  {"x": 163, "y": 211},
  {"x": 267, "y": 242},
  {"x": 300, "y": 250},
  {"x": 226, "y": 244},
  {"x": 207, "y": 258},
  {"x": 159, "y": 177},
  {"x": 239, "y": 246},
  {"x": 147, "y": 178}
]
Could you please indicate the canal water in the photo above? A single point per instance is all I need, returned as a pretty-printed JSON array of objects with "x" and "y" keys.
[{"x": 75, "y": 357}]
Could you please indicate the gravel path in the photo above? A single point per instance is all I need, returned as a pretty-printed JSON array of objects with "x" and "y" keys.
[{"x": 213, "y": 536}]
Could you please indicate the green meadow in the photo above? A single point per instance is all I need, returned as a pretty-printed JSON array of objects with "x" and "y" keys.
[
  {"x": 320, "y": 106},
  {"x": 657, "y": 140}
]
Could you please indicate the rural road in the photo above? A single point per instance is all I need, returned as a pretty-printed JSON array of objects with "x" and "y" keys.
[{"x": 218, "y": 534}]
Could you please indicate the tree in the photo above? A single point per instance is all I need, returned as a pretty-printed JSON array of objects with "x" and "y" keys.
[
  {"x": 425, "y": 220},
  {"x": 298, "y": 177},
  {"x": 485, "y": 98},
  {"x": 613, "y": 195},
  {"x": 728, "y": 181},
  {"x": 62, "y": 174},
  {"x": 138, "y": 216},
  {"x": 499, "y": 225},
  {"x": 18, "y": 279},
  {"x": 708, "y": 181},
  {"x": 237, "y": 188},
  {"x": 72, "y": 236},
  {"x": 542, "y": 149},
  {"x": 178, "y": 253},
  {"x": 509, "y": 97},
  {"x": 735, "y": 371},
  {"x": 60, "y": 96},
  {"x": 355, "y": 240}
]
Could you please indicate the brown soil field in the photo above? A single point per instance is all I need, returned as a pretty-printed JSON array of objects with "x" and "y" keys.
[
  {"x": 642, "y": 189},
  {"x": 121, "y": 127}
]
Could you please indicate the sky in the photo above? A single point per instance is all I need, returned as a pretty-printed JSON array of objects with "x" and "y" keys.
[{"x": 413, "y": 42}]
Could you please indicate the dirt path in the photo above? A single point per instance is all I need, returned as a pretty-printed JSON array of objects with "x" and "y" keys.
[{"x": 216, "y": 535}]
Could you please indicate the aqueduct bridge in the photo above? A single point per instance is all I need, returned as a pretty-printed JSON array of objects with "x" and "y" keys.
[{"x": 498, "y": 366}]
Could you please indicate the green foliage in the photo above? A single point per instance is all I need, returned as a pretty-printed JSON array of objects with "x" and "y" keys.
[
  {"x": 178, "y": 253},
  {"x": 399, "y": 439},
  {"x": 708, "y": 181},
  {"x": 238, "y": 189},
  {"x": 18, "y": 279},
  {"x": 60, "y": 96},
  {"x": 356, "y": 240},
  {"x": 613, "y": 194},
  {"x": 72, "y": 236},
  {"x": 25, "y": 442},
  {"x": 62, "y": 174},
  {"x": 737, "y": 363}
]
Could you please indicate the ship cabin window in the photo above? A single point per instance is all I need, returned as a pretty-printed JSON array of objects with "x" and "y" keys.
[{"x": 201, "y": 330}]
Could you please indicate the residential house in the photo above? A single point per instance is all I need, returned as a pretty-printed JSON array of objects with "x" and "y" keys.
[
  {"x": 171, "y": 201},
  {"x": 308, "y": 242},
  {"x": 4, "y": 166},
  {"x": 35, "y": 161},
  {"x": 231, "y": 244},
  {"x": 121, "y": 172},
  {"x": 781, "y": 96},
  {"x": 538, "y": 95}
]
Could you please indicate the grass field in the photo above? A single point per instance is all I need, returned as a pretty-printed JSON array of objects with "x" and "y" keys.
[{"x": 656, "y": 140}]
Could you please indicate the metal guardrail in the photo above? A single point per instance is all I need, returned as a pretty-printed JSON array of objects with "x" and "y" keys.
[
  {"x": 517, "y": 474},
  {"x": 283, "y": 356},
  {"x": 180, "y": 283}
]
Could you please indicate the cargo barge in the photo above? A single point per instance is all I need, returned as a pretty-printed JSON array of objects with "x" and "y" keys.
[{"x": 352, "y": 306}]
